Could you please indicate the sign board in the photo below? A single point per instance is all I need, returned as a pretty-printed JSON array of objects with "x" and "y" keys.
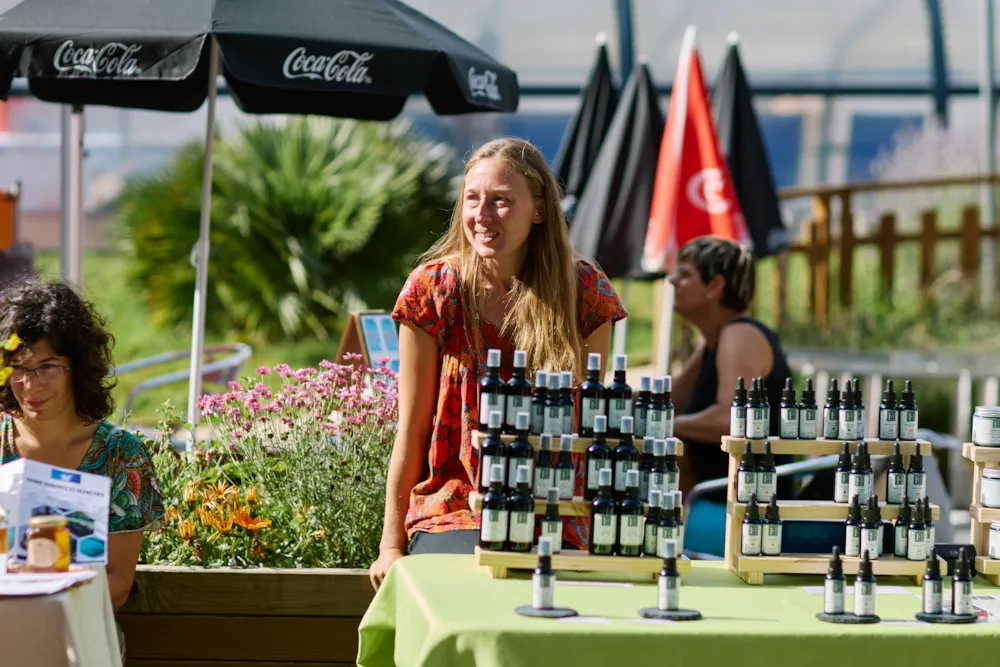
[{"x": 373, "y": 335}]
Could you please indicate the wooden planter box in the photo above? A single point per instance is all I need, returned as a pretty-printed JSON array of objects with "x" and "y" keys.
[{"x": 196, "y": 617}]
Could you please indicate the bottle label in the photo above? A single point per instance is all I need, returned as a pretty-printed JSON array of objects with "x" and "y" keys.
[
  {"x": 852, "y": 545},
  {"x": 858, "y": 485},
  {"x": 789, "y": 423},
  {"x": 553, "y": 529},
  {"x": 915, "y": 545},
  {"x": 639, "y": 425},
  {"x": 553, "y": 420},
  {"x": 864, "y": 598},
  {"x": 738, "y": 421},
  {"x": 590, "y": 408},
  {"x": 494, "y": 527},
  {"x": 618, "y": 408},
  {"x": 486, "y": 464},
  {"x": 543, "y": 482},
  {"x": 908, "y": 425},
  {"x": 513, "y": 464},
  {"x": 490, "y": 403},
  {"x": 869, "y": 542},
  {"x": 658, "y": 482},
  {"x": 888, "y": 425},
  {"x": 566, "y": 483},
  {"x": 632, "y": 529},
  {"x": 757, "y": 423},
  {"x": 961, "y": 598},
  {"x": 43, "y": 553},
  {"x": 652, "y": 537},
  {"x": 928, "y": 536},
  {"x": 667, "y": 533},
  {"x": 831, "y": 423},
  {"x": 516, "y": 404},
  {"x": 751, "y": 539},
  {"x": 895, "y": 492},
  {"x": 680, "y": 538},
  {"x": 899, "y": 549},
  {"x": 842, "y": 487},
  {"x": 542, "y": 591},
  {"x": 932, "y": 597},
  {"x": 568, "y": 421},
  {"x": 808, "y": 424},
  {"x": 833, "y": 596},
  {"x": 668, "y": 423},
  {"x": 847, "y": 425},
  {"x": 771, "y": 544},
  {"x": 644, "y": 485},
  {"x": 522, "y": 527},
  {"x": 673, "y": 481},
  {"x": 746, "y": 485},
  {"x": 621, "y": 470},
  {"x": 916, "y": 486},
  {"x": 669, "y": 593},
  {"x": 538, "y": 418},
  {"x": 605, "y": 529},
  {"x": 767, "y": 486},
  {"x": 657, "y": 425},
  {"x": 859, "y": 423},
  {"x": 594, "y": 473}
]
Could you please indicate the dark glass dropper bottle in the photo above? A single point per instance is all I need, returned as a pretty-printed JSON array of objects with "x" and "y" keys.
[
  {"x": 598, "y": 457},
  {"x": 619, "y": 396},
  {"x": 518, "y": 393},
  {"x": 630, "y": 518},
  {"x": 491, "y": 391},
  {"x": 603, "y": 518},
  {"x": 592, "y": 399}
]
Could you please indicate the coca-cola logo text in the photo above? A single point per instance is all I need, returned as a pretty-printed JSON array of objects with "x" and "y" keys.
[
  {"x": 343, "y": 67},
  {"x": 484, "y": 85},
  {"x": 112, "y": 59}
]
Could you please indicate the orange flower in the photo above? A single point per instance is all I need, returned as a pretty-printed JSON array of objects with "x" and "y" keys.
[
  {"x": 243, "y": 519},
  {"x": 224, "y": 520},
  {"x": 252, "y": 494},
  {"x": 206, "y": 513},
  {"x": 190, "y": 493},
  {"x": 172, "y": 514},
  {"x": 186, "y": 528}
]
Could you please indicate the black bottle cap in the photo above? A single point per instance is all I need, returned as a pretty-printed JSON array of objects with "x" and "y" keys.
[
  {"x": 845, "y": 456},
  {"x": 809, "y": 394},
  {"x": 918, "y": 513},
  {"x": 836, "y": 566},
  {"x": 854, "y": 509},
  {"x": 752, "y": 512},
  {"x": 865, "y": 569},
  {"x": 889, "y": 395},
  {"x": 933, "y": 566},
  {"x": 755, "y": 390},
  {"x": 866, "y": 458},
  {"x": 747, "y": 460},
  {"x": 846, "y": 395},
  {"x": 916, "y": 461},
  {"x": 907, "y": 398},
  {"x": 876, "y": 512},
  {"x": 867, "y": 513},
  {"x": 928, "y": 512},
  {"x": 962, "y": 564},
  {"x": 767, "y": 458},
  {"x": 788, "y": 393},
  {"x": 896, "y": 458},
  {"x": 740, "y": 395},
  {"x": 856, "y": 391},
  {"x": 833, "y": 393},
  {"x": 904, "y": 513},
  {"x": 772, "y": 513},
  {"x": 763, "y": 388},
  {"x": 858, "y": 459}
]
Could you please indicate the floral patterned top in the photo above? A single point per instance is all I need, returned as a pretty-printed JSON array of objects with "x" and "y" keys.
[
  {"x": 430, "y": 300},
  {"x": 136, "y": 503}
]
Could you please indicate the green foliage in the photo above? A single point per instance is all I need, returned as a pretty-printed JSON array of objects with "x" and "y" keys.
[{"x": 307, "y": 216}]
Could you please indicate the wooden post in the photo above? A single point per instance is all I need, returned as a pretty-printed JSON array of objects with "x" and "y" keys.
[
  {"x": 971, "y": 238},
  {"x": 847, "y": 244},
  {"x": 780, "y": 288},
  {"x": 819, "y": 260},
  {"x": 928, "y": 243},
  {"x": 886, "y": 240}
]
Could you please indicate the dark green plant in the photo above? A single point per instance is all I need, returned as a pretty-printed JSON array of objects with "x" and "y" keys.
[{"x": 307, "y": 215}]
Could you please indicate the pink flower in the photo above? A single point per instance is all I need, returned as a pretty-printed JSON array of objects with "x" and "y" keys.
[
  {"x": 284, "y": 370},
  {"x": 263, "y": 371},
  {"x": 352, "y": 356}
]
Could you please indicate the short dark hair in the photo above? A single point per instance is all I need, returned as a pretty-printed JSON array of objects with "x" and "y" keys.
[
  {"x": 714, "y": 256},
  {"x": 52, "y": 311}
]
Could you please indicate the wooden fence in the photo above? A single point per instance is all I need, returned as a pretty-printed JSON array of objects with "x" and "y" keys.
[{"x": 825, "y": 239}]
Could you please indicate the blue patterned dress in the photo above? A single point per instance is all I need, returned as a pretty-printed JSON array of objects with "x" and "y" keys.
[{"x": 136, "y": 503}]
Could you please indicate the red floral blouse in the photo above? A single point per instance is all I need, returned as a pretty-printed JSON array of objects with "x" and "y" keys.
[{"x": 430, "y": 300}]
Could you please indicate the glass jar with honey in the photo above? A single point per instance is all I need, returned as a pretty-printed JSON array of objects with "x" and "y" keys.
[{"x": 48, "y": 544}]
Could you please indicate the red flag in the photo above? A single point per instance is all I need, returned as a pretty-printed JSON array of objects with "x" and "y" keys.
[{"x": 694, "y": 194}]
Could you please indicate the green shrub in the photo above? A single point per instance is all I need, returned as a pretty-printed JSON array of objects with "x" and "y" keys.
[{"x": 309, "y": 217}]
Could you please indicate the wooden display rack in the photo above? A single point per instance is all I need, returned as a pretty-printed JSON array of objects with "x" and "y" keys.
[
  {"x": 752, "y": 569},
  {"x": 498, "y": 563},
  {"x": 982, "y": 516}
]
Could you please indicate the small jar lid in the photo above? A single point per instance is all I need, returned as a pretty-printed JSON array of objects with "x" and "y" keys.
[
  {"x": 991, "y": 473},
  {"x": 995, "y": 526},
  {"x": 52, "y": 521},
  {"x": 987, "y": 411}
]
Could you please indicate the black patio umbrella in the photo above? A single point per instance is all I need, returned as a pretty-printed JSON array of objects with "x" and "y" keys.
[
  {"x": 587, "y": 129},
  {"x": 741, "y": 142},
  {"x": 613, "y": 212},
  {"x": 349, "y": 58}
]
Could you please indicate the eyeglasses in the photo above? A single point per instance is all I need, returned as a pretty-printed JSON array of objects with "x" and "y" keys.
[{"x": 45, "y": 372}]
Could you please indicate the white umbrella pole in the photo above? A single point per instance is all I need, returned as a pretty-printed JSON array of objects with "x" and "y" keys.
[
  {"x": 666, "y": 329},
  {"x": 202, "y": 248},
  {"x": 71, "y": 241}
]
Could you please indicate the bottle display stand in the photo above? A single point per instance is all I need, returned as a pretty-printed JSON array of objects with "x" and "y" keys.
[
  {"x": 982, "y": 516},
  {"x": 499, "y": 563},
  {"x": 579, "y": 444},
  {"x": 752, "y": 569}
]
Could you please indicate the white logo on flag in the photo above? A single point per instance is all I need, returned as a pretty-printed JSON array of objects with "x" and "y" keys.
[
  {"x": 704, "y": 190},
  {"x": 112, "y": 59},
  {"x": 344, "y": 66},
  {"x": 484, "y": 85}
]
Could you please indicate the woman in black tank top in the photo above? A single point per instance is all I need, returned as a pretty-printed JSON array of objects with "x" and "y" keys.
[{"x": 714, "y": 285}]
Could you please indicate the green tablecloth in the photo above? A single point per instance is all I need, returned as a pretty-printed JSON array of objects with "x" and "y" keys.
[{"x": 443, "y": 611}]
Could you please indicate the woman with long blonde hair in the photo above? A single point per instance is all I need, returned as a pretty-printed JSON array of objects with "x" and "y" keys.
[{"x": 504, "y": 276}]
